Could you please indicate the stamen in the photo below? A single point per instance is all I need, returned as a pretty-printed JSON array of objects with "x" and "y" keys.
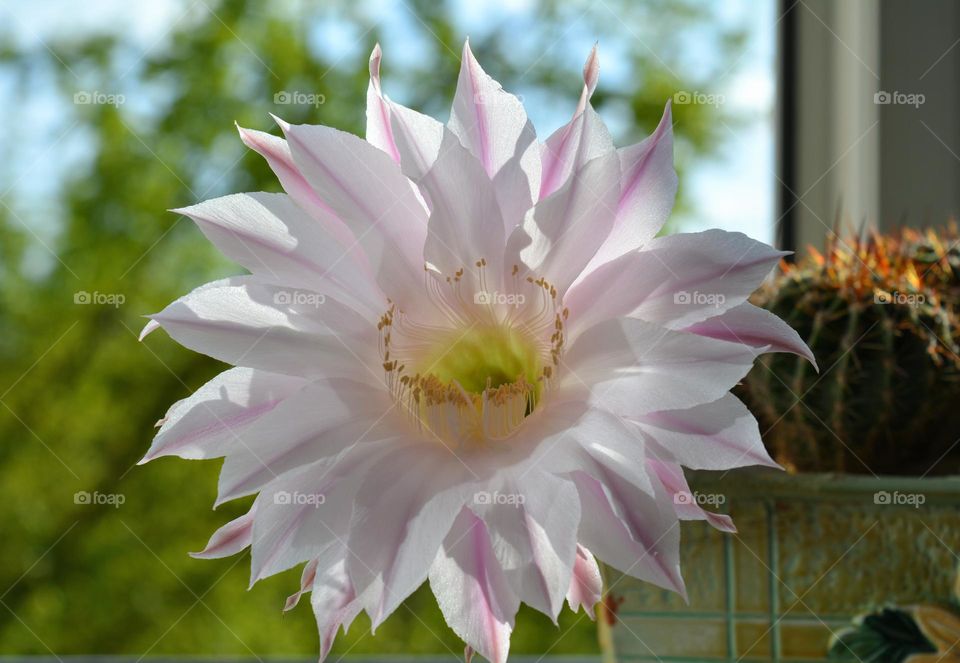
[{"x": 484, "y": 368}]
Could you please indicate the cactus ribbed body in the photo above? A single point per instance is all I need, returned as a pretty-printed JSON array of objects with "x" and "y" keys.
[{"x": 882, "y": 324}]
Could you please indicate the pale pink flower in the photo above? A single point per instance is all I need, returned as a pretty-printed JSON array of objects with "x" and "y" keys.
[{"x": 463, "y": 355}]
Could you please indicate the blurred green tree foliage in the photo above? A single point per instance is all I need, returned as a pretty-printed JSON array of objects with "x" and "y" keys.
[{"x": 79, "y": 395}]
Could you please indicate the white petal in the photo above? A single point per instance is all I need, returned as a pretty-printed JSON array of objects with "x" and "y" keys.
[
  {"x": 209, "y": 422},
  {"x": 493, "y": 125},
  {"x": 643, "y": 545},
  {"x": 488, "y": 121},
  {"x": 586, "y": 585},
  {"x": 634, "y": 367},
  {"x": 465, "y": 222},
  {"x": 277, "y": 153},
  {"x": 404, "y": 507},
  {"x": 570, "y": 147},
  {"x": 532, "y": 520},
  {"x": 367, "y": 190},
  {"x": 334, "y": 601},
  {"x": 714, "y": 436},
  {"x": 305, "y": 513},
  {"x": 756, "y": 327},
  {"x": 248, "y": 323},
  {"x": 676, "y": 280},
  {"x": 275, "y": 239},
  {"x": 562, "y": 232},
  {"x": 320, "y": 421},
  {"x": 418, "y": 138},
  {"x": 474, "y": 594},
  {"x": 648, "y": 186}
]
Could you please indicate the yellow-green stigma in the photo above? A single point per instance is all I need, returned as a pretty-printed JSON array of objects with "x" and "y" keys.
[
  {"x": 472, "y": 385},
  {"x": 483, "y": 358}
]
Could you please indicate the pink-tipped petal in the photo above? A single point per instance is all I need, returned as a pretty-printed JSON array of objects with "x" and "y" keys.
[
  {"x": 369, "y": 192},
  {"x": 488, "y": 121},
  {"x": 634, "y": 367},
  {"x": 631, "y": 531},
  {"x": 675, "y": 281},
  {"x": 648, "y": 186},
  {"x": 685, "y": 500},
  {"x": 586, "y": 585},
  {"x": 274, "y": 238},
  {"x": 209, "y": 423},
  {"x": 229, "y": 539},
  {"x": 379, "y": 129},
  {"x": 531, "y": 525},
  {"x": 757, "y": 327},
  {"x": 563, "y": 231},
  {"x": 335, "y": 602},
  {"x": 474, "y": 594},
  {"x": 245, "y": 322},
  {"x": 720, "y": 435},
  {"x": 306, "y": 584},
  {"x": 584, "y": 138},
  {"x": 277, "y": 153},
  {"x": 492, "y": 124}
]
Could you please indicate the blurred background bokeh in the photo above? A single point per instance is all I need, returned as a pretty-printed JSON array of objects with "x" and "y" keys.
[{"x": 114, "y": 112}]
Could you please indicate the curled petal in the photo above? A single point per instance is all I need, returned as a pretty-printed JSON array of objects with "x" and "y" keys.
[
  {"x": 229, "y": 539},
  {"x": 586, "y": 585}
]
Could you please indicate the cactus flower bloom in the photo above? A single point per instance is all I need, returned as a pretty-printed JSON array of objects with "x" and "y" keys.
[{"x": 463, "y": 355}]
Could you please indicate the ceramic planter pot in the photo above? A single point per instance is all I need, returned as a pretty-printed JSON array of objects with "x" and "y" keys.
[{"x": 812, "y": 552}]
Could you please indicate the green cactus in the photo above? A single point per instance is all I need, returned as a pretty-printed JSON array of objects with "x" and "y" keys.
[{"x": 881, "y": 318}]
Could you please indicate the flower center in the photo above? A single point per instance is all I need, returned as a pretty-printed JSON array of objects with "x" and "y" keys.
[
  {"x": 484, "y": 358},
  {"x": 476, "y": 372}
]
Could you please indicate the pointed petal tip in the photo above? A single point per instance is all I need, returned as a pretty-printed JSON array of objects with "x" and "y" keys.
[
  {"x": 591, "y": 69},
  {"x": 246, "y": 135},
  {"x": 468, "y": 52},
  {"x": 376, "y": 55},
  {"x": 151, "y": 326},
  {"x": 283, "y": 124}
]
